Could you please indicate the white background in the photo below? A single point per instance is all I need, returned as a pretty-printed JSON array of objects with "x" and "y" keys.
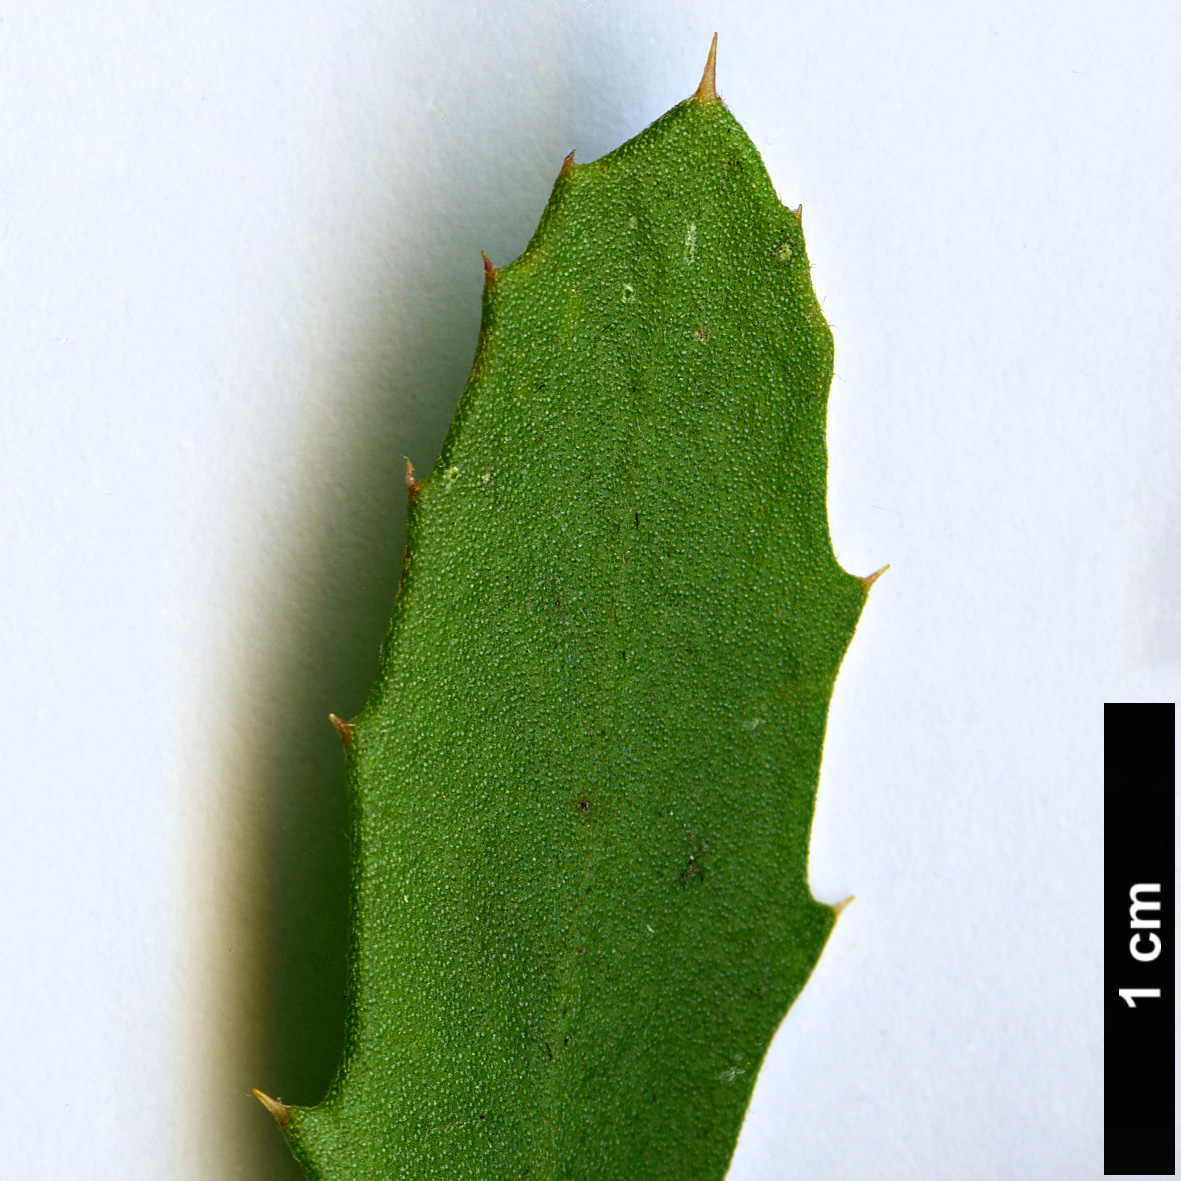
[{"x": 241, "y": 281}]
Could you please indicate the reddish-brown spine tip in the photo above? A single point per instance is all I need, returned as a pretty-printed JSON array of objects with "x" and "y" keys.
[
  {"x": 707, "y": 91},
  {"x": 798, "y": 213},
  {"x": 489, "y": 271},
  {"x": 277, "y": 1109},
  {"x": 412, "y": 485},
  {"x": 870, "y": 579},
  {"x": 567, "y": 166},
  {"x": 343, "y": 729}
]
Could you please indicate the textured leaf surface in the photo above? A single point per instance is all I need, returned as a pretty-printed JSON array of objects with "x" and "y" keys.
[{"x": 583, "y": 786}]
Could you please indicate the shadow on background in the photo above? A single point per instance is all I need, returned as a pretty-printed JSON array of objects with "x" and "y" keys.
[{"x": 324, "y": 655}]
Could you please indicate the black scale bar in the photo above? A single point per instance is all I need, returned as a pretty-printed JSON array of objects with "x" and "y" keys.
[{"x": 1138, "y": 919}]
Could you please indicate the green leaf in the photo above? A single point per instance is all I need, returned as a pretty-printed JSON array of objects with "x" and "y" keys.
[{"x": 582, "y": 789}]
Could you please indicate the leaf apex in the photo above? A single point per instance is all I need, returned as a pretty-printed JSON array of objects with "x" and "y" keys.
[
  {"x": 707, "y": 91},
  {"x": 798, "y": 213},
  {"x": 346, "y": 737},
  {"x": 277, "y": 1109},
  {"x": 870, "y": 579},
  {"x": 840, "y": 906},
  {"x": 567, "y": 166}
]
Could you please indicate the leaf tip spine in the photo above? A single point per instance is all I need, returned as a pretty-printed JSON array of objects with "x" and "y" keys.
[
  {"x": 707, "y": 91},
  {"x": 490, "y": 272},
  {"x": 343, "y": 729},
  {"x": 567, "y": 166},
  {"x": 870, "y": 579},
  {"x": 412, "y": 485},
  {"x": 840, "y": 906},
  {"x": 277, "y": 1109},
  {"x": 798, "y": 213}
]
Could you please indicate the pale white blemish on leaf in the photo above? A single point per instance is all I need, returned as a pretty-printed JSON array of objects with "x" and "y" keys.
[
  {"x": 753, "y": 724},
  {"x": 691, "y": 242}
]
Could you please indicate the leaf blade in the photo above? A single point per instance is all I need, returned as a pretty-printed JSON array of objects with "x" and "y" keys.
[{"x": 582, "y": 788}]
